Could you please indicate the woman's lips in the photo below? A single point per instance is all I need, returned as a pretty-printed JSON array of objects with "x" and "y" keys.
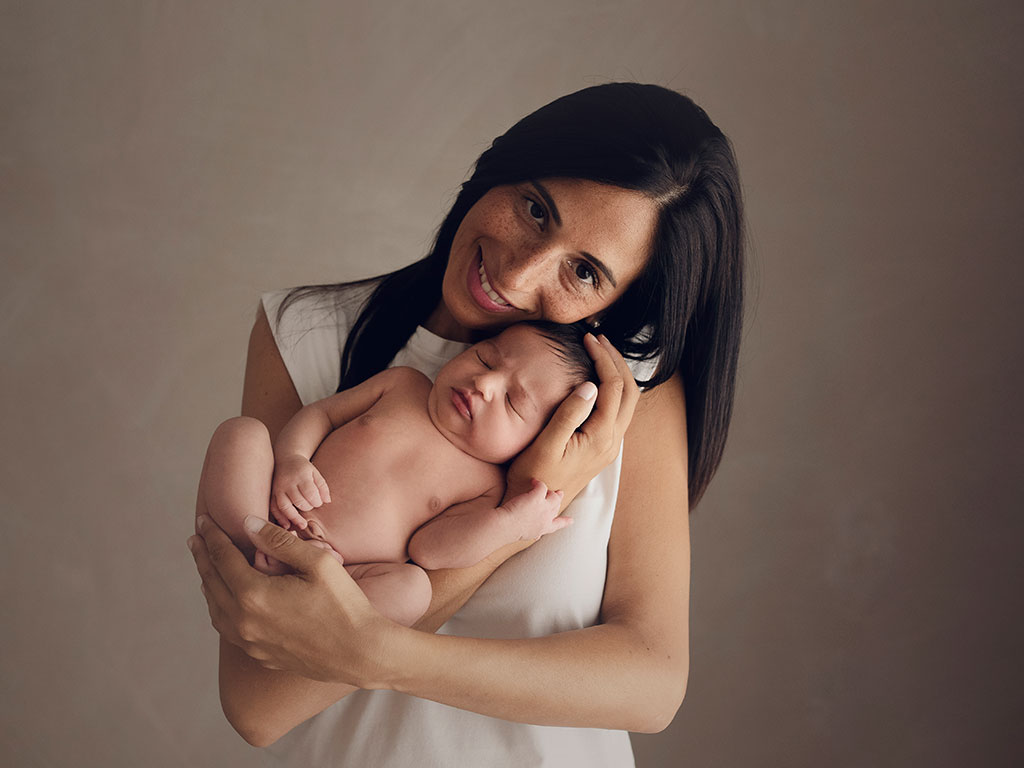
[
  {"x": 475, "y": 282},
  {"x": 462, "y": 404}
]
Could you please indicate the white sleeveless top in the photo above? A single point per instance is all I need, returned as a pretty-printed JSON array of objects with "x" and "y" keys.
[{"x": 384, "y": 729}]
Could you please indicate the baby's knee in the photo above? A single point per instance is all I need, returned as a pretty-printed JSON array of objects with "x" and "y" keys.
[
  {"x": 400, "y": 591},
  {"x": 416, "y": 591},
  {"x": 417, "y": 585},
  {"x": 240, "y": 433}
]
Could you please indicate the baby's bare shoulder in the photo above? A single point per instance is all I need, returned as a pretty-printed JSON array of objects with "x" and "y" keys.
[
  {"x": 403, "y": 380},
  {"x": 491, "y": 480},
  {"x": 403, "y": 375}
]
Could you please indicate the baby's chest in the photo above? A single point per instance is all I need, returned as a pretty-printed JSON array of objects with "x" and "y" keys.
[{"x": 395, "y": 457}]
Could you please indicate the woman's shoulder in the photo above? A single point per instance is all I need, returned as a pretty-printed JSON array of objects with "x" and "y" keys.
[
  {"x": 310, "y": 326},
  {"x": 301, "y": 309}
]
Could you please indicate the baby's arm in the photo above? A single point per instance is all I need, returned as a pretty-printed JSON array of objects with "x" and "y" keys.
[
  {"x": 298, "y": 486},
  {"x": 466, "y": 533}
]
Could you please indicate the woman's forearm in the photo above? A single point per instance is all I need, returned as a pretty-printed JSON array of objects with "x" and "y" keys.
[{"x": 606, "y": 676}]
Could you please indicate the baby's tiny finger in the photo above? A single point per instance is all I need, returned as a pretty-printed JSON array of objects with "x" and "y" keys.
[
  {"x": 298, "y": 501},
  {"x": 285, "y": 505},
  {"x": 321, "y": 484},
  {"x": 311, "y": 493}
]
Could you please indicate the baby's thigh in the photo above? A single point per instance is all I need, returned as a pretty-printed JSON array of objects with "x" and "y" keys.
[
  {"x": 236, "y": 476},
  {"x": 400, "y": 591}
]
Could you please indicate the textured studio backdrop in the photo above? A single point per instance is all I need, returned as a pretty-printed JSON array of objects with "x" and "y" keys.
[{"x": 855, "y": 563}]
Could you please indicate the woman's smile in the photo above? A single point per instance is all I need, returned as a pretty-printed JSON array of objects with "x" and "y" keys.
[{"x": 482, "y": 291}]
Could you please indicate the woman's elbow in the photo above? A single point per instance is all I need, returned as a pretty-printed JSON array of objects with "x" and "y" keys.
[
  {"x": 660, "y": 718},
  {"x": 256, "y": 730},
  {"x": 663, "y": 706}
]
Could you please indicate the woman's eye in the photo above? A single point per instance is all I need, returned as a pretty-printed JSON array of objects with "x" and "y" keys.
[
  {"x": 536, "y": 211},
  {"x": 482, "y": 361},
  {"x": 586, "y": 273}
]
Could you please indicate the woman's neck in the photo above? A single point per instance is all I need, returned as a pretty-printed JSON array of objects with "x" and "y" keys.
[{"x": 442, "y": 323}]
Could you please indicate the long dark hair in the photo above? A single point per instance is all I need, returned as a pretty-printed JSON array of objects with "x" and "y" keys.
[{"x": 686, "y": 307}]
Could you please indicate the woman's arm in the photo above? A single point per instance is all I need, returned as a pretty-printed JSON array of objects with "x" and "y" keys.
[
  {"x": 264, "y": 704},
  {"x": 628, "y": 672}
]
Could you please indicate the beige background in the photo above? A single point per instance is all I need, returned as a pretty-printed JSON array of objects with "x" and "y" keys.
[{"x": 855, "y": 564}]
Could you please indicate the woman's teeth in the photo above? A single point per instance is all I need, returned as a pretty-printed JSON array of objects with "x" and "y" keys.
[{"x": 488, "y": 290}]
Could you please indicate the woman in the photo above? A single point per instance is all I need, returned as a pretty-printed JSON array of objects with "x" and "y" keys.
[{"x": 618, "y": 205}]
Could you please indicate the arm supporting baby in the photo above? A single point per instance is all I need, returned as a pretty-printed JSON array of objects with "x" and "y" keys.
[
  {"x": 306, "y": 622},
  {"x": 263, "y": 703}
]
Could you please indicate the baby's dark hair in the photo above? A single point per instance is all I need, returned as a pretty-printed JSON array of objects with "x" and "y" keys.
[{"x": 567, "y": 342}]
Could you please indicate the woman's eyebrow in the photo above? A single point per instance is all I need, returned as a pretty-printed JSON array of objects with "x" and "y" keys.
[
  {"x": 550, "y": 202},
  {"x": 543, "y": 192}
]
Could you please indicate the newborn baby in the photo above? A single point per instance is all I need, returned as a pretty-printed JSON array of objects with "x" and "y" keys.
[{"x": 398, "y": 468}]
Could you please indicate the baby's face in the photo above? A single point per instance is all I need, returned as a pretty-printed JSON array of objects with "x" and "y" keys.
[{"x": 493, "y": 399}]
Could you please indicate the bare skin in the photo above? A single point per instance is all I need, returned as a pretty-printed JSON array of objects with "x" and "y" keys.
[
  {"x": 627, "y": 672},
  {"x": 413, "y": 466}
]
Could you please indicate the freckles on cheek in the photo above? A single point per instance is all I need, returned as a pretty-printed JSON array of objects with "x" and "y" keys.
[{"x": 565, "y": 310}]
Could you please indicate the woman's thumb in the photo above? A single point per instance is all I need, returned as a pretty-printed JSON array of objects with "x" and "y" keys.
[{"x": 280, "y": 544}]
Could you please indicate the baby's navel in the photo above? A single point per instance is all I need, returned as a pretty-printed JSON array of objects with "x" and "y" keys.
[{"x": 435, "y": 504}]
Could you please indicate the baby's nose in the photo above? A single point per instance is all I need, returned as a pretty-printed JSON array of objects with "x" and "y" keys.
[{"x": 486, "y": 384}]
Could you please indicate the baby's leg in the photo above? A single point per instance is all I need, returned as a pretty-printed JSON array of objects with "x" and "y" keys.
[
  {"x": 236, "y": 477},
  {"x": 400, "y": 591}
]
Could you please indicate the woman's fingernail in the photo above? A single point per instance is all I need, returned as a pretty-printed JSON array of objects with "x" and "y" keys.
[
  {"x": 586, "y": 390},
  {"x": 253, "y": 524},
  {"x": 200, "y": 522},
  {"x": 192, "y": 543}
]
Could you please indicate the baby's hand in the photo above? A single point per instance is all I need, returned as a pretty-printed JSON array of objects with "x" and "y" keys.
[
  {"x": 297, "y": 487},
  {"x": 535, "y": 513}
]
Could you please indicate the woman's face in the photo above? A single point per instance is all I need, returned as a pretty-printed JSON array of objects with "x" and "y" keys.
[{"x": 556, "y": 249}]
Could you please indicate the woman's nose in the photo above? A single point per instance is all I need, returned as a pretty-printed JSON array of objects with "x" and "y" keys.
[{"x": 524, "y": 269}]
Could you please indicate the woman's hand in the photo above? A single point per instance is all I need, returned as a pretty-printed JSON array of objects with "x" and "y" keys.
[
  {"x": 566, "y": 455},
  {"x": 315, "y": 622}
]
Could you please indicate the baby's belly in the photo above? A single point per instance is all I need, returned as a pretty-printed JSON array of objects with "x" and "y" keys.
[{"x": 371, "y": 516}]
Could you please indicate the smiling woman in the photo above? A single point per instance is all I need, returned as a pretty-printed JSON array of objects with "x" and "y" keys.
[
  {"x": 617, "y": 205},
  {"x": 558, "y": 249}
]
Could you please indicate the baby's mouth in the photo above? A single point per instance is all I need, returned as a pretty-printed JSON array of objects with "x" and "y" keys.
[{"x": 462, "y": 403}]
